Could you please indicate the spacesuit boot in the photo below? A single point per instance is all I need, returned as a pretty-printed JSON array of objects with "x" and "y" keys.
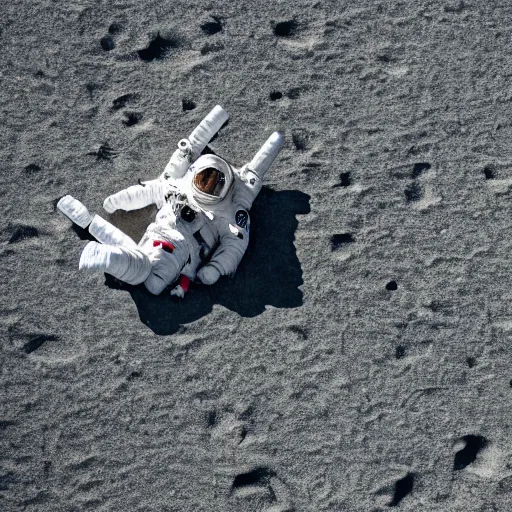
[
  {"x": 129, "y": 265},
  {"x": 75, "y": 211}
]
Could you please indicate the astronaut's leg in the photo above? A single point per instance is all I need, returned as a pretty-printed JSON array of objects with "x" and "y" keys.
[
  {"x": 107, "y": 233},
  {"x": 188, "y": 273},
  {"x": 129, "y": 265},
  {"x": 75, "y": 211},
  {"x": 102, "y": 230},
  {"x": 167, "y": 260}
]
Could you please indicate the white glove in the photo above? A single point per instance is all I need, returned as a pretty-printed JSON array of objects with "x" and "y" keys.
[
  {"x": 208, "y": 274},
  {"x": 178, "y": 291},
  {"x": 108, "y": 206}
]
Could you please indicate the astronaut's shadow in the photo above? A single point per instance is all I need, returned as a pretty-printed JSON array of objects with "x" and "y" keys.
[{"x": 269, "y": 274}]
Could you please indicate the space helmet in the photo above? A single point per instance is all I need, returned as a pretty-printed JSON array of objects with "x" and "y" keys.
[{"x": 212, "y": 179}]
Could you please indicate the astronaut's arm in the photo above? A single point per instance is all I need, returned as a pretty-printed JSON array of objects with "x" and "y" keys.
[
  {"x": 190, "y": 149},
  {"x": 251, "y": 174},
  {"x": 234, "y": 239},
  {"x": 246, "y": 191},
  {"x": 137, "y": 196}
]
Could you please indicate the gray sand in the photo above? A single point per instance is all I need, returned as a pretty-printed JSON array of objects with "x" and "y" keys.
[{"x": 303, "y": 383}]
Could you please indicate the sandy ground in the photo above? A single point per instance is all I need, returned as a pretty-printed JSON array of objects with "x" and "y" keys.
[{"x": 359, "y": 360}]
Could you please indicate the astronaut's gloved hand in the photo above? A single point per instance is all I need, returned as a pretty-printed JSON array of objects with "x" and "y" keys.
[
  {"x": 182, "y": 287},
  {"x": 178, "y": 291},
  {"x": 208, "y": 274}
]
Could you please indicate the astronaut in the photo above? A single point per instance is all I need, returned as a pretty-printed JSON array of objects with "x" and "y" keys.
[{"x": 201, "y": 230}]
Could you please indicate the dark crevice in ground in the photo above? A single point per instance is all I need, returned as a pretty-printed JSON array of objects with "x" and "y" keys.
[
  {"x": 32, "y": 168},
  {"x": 21, "y": 232},
  {"x": 107, "y": 43},
  {"x": 212, "y": 27},
  {"x": 115, "y": 28},
  {"x": 37, "y": 342},
  {"x": 403, "y": 487},
  {"x": 123, "y": 100},
  {"x": 468, "y": 454},
  {"x": 340, "y": 240},
  {"x": 187, "y": 105},
  {"x": 258, "y": 476},
  {"x": 132, "y": 118},
  {"x": 299, "y": 141},
  {"x": 285, "y": 28},
  {"x": 158, "y": 48},
  {"x": 105, "y": 152},
  {"x": 419, "y": 168},
  {"x": 345, "y": 180},
  {"x": 413, "y": 192},
  {"x": 489, "y": 173}
]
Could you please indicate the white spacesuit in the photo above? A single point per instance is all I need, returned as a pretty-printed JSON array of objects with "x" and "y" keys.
[{"x": 202, "y": 227}]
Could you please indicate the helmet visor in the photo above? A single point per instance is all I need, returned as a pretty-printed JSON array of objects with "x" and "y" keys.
[{"x": 210, "y": 181}]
